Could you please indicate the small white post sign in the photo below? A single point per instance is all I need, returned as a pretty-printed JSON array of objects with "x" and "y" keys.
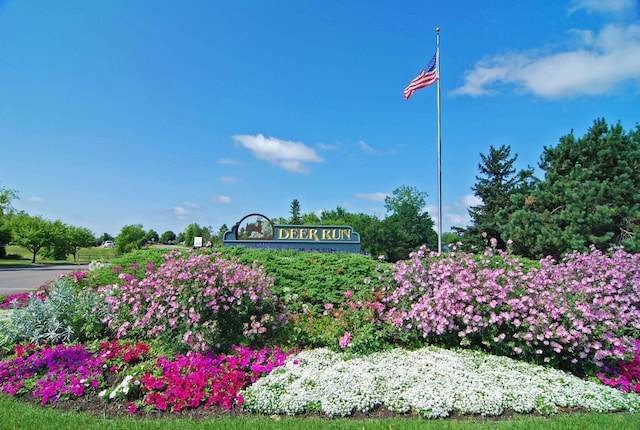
[{"x": 197, "y": 242}]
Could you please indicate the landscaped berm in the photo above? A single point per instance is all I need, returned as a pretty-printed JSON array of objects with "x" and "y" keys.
[{"x": 243, "y": 333}]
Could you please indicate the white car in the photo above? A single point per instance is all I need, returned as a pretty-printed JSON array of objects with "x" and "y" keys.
[{"x": 108, "y": 244}]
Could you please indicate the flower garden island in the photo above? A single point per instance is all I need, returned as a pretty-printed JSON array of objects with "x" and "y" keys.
[{"x": 283, "y": 332}]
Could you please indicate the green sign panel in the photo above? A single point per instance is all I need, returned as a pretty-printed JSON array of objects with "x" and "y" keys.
[{"x": 257, "y": 231}]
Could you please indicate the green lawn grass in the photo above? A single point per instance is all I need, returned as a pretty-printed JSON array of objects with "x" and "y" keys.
[
  {"x": 17, "y": 255},
  {"x": 15, "y": 414}
]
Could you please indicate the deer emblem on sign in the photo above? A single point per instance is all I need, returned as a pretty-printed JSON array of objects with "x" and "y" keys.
[
  {"x": 254, "y": 226},
  {"x": 257, "y": 227}
]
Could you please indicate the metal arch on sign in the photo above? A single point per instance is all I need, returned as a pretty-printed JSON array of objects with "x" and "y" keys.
[{"x": 262, "y": 229}]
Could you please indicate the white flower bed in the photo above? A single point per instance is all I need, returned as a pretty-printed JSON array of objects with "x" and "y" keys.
[
  {"x": 97, "y": 265},
  {"x": 430, "y": 381}
]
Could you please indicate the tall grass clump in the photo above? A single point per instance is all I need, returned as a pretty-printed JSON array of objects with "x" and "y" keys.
[{"x": 196, "y": 302}]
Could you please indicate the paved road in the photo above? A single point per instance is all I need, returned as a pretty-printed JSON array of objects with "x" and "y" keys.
[{"x": 15, "y": 280}]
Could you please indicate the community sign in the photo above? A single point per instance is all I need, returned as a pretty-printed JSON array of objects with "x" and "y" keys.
[{"x": 257, "y": 231}]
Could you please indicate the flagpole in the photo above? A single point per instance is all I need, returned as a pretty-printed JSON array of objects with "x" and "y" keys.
[{"x": 439, "y": 146}]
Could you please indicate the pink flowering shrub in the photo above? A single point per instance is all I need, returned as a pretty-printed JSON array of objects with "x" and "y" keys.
[
  {"x": 196, "y": 301},
  {"x": 573, "y": 314}
]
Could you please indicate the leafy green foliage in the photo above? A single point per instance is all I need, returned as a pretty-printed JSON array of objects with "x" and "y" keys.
[
  {"x": 6, "y": 195},
  {"x": 316, "y": 278},
  {"x": 151, "y": 237},
  {"x": 131, "y": 237},
  {"x": 589, "y": 196},
  {"x": 67, "y": 240},
  {"x": 168, "y": 237},
  {"x": 79, "y": 237},
  {"x": 58, "y": 246},
  {"x": 63, "y": 315},
  {"x": 368, "y": 226},
  {"x": 408, "y": 227},
  {"x": 194, "y": 230},
  {"x": 30, "y": 232}
]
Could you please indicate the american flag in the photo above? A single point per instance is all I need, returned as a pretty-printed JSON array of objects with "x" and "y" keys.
[{"x": 428, "y": 76}]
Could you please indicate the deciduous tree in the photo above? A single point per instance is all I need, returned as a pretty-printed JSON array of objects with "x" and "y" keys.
[
  {"x": 80, "y": 237},
  {"x": 131, "y": 237},
  {"x": 168, "y": 237},
  {"x": 58, "y": 247},
  {"x": 151, "y": 237},
  {"x": 194, "y": 230},
  {"x": 6, "y": 195},
  {"x": 408, "y": 226},
  {"x": 30, "y": 232}
]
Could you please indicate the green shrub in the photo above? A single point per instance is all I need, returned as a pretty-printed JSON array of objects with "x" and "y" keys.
[
  {"x": 317, "y": 278},
  {"x": 133, "y": 263},
  {"x": 62, "y": 316}
]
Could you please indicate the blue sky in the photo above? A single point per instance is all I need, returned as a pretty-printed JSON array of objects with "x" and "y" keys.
[{"x": 164, "y": 113}]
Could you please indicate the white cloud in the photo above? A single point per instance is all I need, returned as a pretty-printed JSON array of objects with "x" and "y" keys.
[
  {"x": 228, "y": 179},
  {"x": 225, "y": 200},
  {"x": 366, "y": 148},
  {"x": 469, "y": 200},
  {"x": 455, "y": 214},
  {"x": 326, "y": 147},
  {"x": 181, "y": 213},
  {"x": 453, "y": 219},
  {"x": 288, "y": 155},
  {"x": 35, "y": 199},
  {"x": 597, "y": 64},
  {"x": 602, "y": 6},
  {"x": 374, "y": 197},
  {"x": 192, "y": 205},
  {"x": 227, "y": 161}
]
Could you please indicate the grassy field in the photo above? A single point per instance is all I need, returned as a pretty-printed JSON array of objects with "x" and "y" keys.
[
  {"x": 17, "y": 255},
  {"x": 19, "y": 415}
]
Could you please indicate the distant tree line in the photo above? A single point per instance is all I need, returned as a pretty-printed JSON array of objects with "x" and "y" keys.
[
  {"x": 53, "y": 240},
  {"x": 587, "y": 197},
  {"x": 404, "y": 229}
]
